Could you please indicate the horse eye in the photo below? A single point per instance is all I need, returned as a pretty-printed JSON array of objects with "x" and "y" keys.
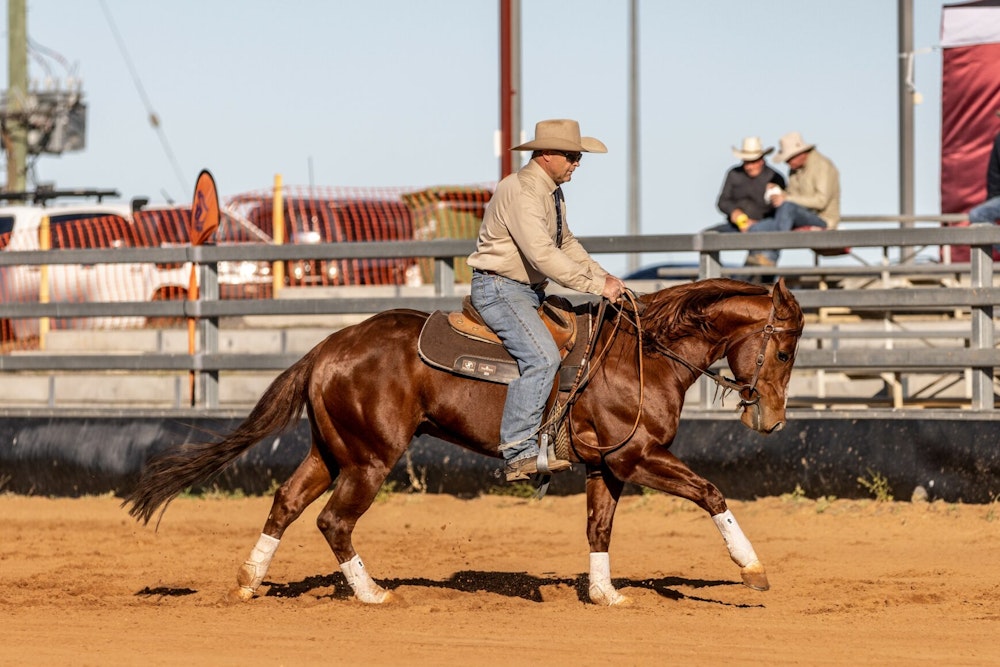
[{"x": 783, "y": 356}]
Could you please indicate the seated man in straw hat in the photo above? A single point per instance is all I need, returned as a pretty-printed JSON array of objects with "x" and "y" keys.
[
  {"x": 812, "y": 198},
  {"x": 524, "y": 242},
  {"x": 742, "y": 199}
]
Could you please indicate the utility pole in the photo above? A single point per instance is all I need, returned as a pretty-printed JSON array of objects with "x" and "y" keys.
[
  {"x": 906, "y": 100},
  {"x": 15, "y": 137},
  {"x": 634, "y": 217},
  {"x": 510, "y": 83}
]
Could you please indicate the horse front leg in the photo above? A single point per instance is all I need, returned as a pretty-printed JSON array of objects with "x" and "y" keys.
[
  {"x": 306, "y": 484},
  {"x": 603, "y": 492},
  {"x": 659, "y": 469}
]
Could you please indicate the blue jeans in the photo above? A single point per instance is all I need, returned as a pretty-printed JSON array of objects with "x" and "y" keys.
[
  {"x": 787, "y": 217},
  {"x": 510, "y": 308},
  {"x": 988, "y": 211},
  {"x": 723, "y": 227}
]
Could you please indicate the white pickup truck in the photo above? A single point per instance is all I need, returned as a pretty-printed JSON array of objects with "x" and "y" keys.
[{"x": 79, "y": 226}]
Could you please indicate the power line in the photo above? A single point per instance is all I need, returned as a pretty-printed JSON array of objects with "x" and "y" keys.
[
  {"x": 40, "y": 52},
  {"x": 154, "y": 118}
]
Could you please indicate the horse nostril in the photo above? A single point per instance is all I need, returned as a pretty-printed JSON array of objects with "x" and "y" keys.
[{"x": 777, "y": 427}]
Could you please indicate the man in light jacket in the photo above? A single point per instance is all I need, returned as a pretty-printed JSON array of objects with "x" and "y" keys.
[
  {"x": 812, "y": 198},
  {"x": 524, "y": 242}
]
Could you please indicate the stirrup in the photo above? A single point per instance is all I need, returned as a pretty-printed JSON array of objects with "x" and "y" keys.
[{"x": 546, "y": 451}]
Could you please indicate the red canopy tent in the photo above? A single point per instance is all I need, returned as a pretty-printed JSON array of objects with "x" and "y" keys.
[{"x": 970, "y": 99}]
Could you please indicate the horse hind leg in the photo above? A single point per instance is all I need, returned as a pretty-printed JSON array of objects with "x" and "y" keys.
[
  {"x": 355, "y": 491},
  {"x": 306, "y": 484}
]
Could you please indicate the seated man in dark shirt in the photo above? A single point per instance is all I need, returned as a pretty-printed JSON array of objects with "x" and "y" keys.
[{"x": 742, "y": 197}]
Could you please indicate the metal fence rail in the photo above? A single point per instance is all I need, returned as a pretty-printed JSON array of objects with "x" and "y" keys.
[{"x": 890, "y": 289}]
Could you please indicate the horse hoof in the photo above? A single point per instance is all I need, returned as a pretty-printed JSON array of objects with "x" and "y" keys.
[
  {"x": 380, "y": 596},
  {"x": 240, "y": 594},
  {"x": 754, "y": 576},
  {"x": 608, "y": 597}
]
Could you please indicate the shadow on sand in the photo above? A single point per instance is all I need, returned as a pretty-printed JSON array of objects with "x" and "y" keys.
[{"x": 510, "y": 584}]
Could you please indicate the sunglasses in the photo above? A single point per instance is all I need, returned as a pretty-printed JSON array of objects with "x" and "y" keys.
[{"x": 571, "y": 156}]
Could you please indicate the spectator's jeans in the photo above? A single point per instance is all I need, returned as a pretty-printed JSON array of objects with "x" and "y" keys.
[
  {"x": 787, "y": 217},
  {"x": 510, "y": 308},
  {"x": 988, "y": 211},
  {"x": 723, "y": 227}
]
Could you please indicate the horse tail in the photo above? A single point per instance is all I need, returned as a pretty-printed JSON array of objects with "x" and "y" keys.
[{"x": 167, "y": 474}]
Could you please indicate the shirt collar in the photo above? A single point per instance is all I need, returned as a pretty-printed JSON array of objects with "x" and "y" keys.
[{"x": 535, "y": 171}]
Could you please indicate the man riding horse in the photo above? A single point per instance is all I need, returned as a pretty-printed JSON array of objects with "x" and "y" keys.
[{"x": 524, "y": 242}]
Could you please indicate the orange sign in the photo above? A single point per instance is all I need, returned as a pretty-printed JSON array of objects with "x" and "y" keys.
[{"x": 204, "y": 209}]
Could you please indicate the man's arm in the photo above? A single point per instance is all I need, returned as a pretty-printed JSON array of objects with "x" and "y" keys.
[
  {"x": 726, "y": 202},
  {"x": 824, "y": 180}
]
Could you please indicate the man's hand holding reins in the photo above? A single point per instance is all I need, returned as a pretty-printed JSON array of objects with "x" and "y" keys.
[{"x": 613, "y": 288}]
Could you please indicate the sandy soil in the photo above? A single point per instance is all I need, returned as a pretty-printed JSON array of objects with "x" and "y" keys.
[{"x": 499, "y": 580}]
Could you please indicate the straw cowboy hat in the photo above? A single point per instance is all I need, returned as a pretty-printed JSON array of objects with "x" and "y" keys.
[
  {"x": 752, "y": 150},
  {"x": 561, "y": 135},
  {"x": 791, "y": 145}
]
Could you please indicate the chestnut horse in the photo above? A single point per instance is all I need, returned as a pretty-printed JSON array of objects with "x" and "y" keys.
[{"x": 368, "y": 393}]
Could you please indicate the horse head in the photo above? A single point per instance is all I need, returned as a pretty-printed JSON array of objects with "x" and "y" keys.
[{"x": 761, "y": 354}]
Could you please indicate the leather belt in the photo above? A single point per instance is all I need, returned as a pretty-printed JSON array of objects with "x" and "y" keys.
[{"x": 535, "y": 286}]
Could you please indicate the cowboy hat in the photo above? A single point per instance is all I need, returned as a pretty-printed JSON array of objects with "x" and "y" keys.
[
  {"x": 751, "y": 150},
  {"x": 561, "y": 135},
  {"x": 791, "y": 145}
]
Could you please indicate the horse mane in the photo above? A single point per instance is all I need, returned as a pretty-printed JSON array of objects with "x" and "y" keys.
[{"x": 683, "y": 311}]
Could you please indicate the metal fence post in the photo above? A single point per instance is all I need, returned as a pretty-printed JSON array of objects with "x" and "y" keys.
[
  {"x": 209, "y": 379},
  {"x": 444, "y": 276},
  {"x": 709, "y": 266},
  {"x": 982, "y": 338}
]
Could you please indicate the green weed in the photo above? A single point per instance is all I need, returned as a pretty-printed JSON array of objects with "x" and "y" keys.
[
  {"x": 213, "y": 493},
  {"x": 878, "y": 485},
  {"x": 797, "y": 495},
  {"x": 514, "y": 490},
  {"x": 823, "y": 503},
  {"x": 385, "y": 492}
]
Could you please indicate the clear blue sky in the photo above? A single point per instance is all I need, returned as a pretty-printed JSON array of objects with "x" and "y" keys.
[{"x": 404, "y": 93}]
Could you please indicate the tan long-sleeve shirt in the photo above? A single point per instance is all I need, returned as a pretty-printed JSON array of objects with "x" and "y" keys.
[
  {"x": 517, "y": 238},
  {"x": 816, "y": 186}
]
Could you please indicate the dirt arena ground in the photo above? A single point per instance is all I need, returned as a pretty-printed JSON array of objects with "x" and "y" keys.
[{"x": 499, "y": 580}]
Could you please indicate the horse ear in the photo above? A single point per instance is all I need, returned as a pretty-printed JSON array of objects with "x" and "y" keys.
[{"x": 782, "y": 299}]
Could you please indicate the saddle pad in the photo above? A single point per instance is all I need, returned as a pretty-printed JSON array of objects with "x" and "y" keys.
[{"x": 442, "y": 347}]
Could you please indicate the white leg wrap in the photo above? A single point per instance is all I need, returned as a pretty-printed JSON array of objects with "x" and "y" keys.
[
  {"x": 601, "y": 590},
  {"x": 365, "y": 589},
  {"x": 740, "y": 549},
  {"x": 252, "y": 572}
]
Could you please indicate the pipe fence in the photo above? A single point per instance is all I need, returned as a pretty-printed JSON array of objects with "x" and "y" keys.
[{"x": 917, "y": 326}]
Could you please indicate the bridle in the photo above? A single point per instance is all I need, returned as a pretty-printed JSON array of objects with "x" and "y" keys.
[{"x": 748, "y": 393}]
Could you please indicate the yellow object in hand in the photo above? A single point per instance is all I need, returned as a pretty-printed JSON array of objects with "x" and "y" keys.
[{"x": 741, "y": 221}]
